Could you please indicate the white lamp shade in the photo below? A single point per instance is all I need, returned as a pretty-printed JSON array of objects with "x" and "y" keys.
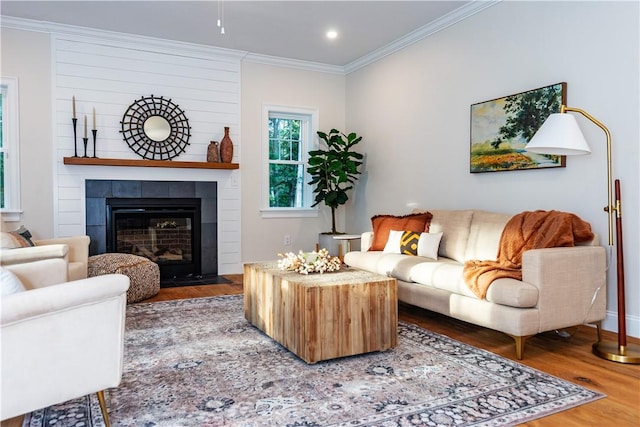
[{"x": 559, "y": 135}]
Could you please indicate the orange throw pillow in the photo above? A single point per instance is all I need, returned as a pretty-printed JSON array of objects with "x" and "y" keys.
[{"x": 382, "y": 224}]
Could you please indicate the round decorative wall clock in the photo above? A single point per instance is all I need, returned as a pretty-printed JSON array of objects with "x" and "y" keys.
[{"x": 155, "y": 128}]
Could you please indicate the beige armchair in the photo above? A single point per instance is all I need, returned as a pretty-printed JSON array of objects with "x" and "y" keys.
[
  {"x": 60, "y": 340},
  {"x": 75, "y": 250}
]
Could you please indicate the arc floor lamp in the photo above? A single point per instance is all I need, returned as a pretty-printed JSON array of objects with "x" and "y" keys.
[{"x": 560, "y": 135}]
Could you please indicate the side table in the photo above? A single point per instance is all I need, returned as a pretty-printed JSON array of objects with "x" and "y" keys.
[{"x": 348, "y": 238}]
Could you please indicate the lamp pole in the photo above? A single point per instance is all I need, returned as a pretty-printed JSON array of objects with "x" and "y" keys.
[{"x": 622, "y": 352}]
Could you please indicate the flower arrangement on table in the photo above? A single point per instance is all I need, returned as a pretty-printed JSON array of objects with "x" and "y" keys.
[{"x": 309, "y": 262}]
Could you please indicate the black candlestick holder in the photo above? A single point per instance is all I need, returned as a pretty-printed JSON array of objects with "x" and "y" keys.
[
  {"x": 75, "y": 139},
  {"x": 94, "y": 132},
  {"x": 85, "y": 140}
]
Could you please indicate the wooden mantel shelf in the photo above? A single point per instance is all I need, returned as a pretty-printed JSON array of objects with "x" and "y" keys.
[{"x": 95, "y": 161}]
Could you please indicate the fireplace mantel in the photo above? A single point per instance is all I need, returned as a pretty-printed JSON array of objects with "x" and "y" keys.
[{"x": 96, "y": 161}]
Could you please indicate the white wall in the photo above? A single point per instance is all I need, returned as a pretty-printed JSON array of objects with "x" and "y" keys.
[
  {"x": 108, "y": 72},
  {"x": 263, "y": 238},
  {"x": 34, "y": 81},
  {"x": 413, "y": 110}
]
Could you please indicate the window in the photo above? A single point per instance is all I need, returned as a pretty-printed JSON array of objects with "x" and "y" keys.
[
  {"x": 288, "y": 136},
  {"x": 9, "y": 150}
]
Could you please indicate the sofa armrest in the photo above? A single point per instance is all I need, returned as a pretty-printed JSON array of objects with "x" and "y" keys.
[
  {"x": 366, "y": 240},
  {"x": 571, "y": 283},
  {"x": 33, "y": 253}
]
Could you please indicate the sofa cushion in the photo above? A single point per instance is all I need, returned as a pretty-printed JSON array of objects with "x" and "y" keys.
[
  {"x": 454, "y": 226},
  {"x": 484, "y": 235},
  {"x": 444, "y": 274},
  {"x": 383, "y": 224},
  {"x": 393, "y": 265},
  {"x": 513, "y": 293}
]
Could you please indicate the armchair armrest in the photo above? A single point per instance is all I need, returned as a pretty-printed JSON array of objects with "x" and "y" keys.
[
  {"x": 33, "y": 253},
  {"x": 42, "y": 273},
  {"x": 571, "y": 283},
  {"x": 61, "y": 297},
  {"x": 78, "y": 254},
  {"x": 78, "y": 246}
]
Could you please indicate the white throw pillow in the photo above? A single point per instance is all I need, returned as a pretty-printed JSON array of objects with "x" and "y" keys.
[
  {"x": 428, "y": 245},
  {"x": 393, "y": 242},
  {"x": 10, "y": 282}
]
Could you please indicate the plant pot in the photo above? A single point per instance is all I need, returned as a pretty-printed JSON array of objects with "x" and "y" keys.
[{"x": 326, "y": 240}]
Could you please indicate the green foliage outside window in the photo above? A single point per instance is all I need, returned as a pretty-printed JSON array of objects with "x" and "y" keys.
[{"x": 286, "y": 170}]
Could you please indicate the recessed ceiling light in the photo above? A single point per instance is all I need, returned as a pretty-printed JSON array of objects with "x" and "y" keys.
[{"x": 332, "y": 34}]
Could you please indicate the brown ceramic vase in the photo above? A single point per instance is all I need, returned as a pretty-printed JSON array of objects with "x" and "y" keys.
[
  {"x": 226, "y": 147},
  {"x": 212, "y": 152}
]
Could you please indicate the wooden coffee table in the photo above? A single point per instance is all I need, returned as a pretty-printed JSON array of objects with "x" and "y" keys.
[{"x": 322, "y": 316}]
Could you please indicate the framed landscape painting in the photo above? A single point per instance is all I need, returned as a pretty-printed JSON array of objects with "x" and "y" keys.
[{"x": 502, "y": 128}]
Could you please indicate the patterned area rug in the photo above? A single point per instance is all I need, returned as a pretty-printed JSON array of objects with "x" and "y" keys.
[{"x": 198, "y": 362}]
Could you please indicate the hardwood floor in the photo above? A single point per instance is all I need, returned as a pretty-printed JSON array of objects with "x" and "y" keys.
[{"x": 567, "y": 357}]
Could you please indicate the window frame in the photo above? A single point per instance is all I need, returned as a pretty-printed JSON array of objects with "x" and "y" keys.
[
  {"x": 11, "y": 148},
  {"x": 310, "y": 114}
]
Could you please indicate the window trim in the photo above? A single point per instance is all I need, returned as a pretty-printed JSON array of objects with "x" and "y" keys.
[
  {"x": 279, "y": 212},
  {"x": 11, "y": 148}
]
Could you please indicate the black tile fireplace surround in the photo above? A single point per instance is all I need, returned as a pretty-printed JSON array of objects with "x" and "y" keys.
[{"x": 98, "y": 191}]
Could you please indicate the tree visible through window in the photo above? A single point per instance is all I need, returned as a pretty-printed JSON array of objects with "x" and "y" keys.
[{"x": 288, "y": 140}]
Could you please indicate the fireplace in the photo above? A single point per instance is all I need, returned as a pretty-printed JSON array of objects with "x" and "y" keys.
[
  {"x": 165, "y": 208},
  {"x": 167, "y": 231}
]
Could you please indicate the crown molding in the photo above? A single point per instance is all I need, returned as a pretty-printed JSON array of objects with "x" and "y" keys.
[
  {"x": 440, "y": 24},
  {"x": 294, "y": 63},
  {"x": 182, "y": 48},
  {"x": 132, "y": 40}
]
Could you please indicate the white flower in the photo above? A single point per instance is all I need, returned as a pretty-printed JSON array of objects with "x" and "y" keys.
[{"x": 309, "y": 262}]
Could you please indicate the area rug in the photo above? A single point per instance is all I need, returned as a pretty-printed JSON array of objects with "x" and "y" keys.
[{"x": 198, "y": 362}]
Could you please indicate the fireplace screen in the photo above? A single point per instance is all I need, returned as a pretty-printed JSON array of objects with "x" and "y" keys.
[{"x": 166, "y": 231}]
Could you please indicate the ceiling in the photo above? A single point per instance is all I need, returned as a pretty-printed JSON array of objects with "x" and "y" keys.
[{"x": 287, "y": 29}]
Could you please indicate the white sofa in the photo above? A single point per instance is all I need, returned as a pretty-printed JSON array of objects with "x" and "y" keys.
[{"x": 560, "y": 287}]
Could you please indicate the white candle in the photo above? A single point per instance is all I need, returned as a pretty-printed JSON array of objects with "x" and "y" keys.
[
  {"x": 94, "y": 118},
  {"x": 85, "y": 125},
  {"x": 74, "y": 106}
]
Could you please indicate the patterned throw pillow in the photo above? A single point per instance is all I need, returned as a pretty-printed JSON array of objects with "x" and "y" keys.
[
  {"x": 20, "y": 238},
  {"x": 402, "y": 242},
  {"x": 23, "y": 234},
  {"x": 412, "y": 243},
  {"x": 409, "y": 243}
]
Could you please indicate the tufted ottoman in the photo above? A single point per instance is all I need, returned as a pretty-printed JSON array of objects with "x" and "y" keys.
[{"x": 144, "y": 274}]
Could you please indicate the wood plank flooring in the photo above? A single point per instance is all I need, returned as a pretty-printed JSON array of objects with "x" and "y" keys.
[{"x": 569, "y": 358}]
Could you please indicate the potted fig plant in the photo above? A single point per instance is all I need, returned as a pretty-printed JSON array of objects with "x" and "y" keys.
[{"x": 334, "y": 169}]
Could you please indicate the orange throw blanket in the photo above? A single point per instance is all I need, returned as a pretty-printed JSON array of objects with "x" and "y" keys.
[{"x": 526, "y": 230}]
